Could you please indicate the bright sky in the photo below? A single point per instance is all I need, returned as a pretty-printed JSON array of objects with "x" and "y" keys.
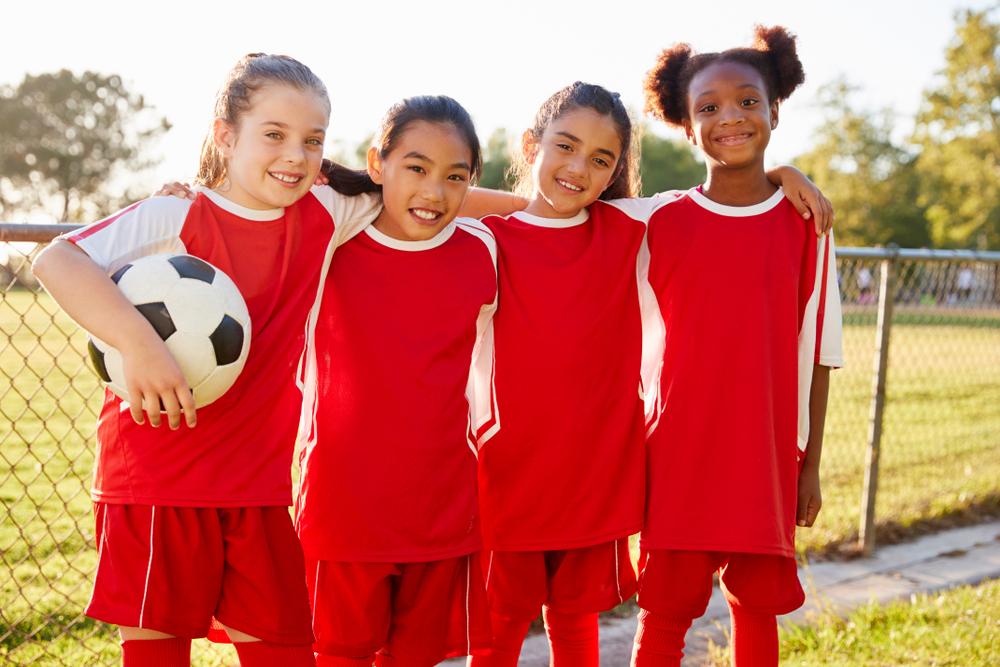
[{"x": 499, "y": 59}]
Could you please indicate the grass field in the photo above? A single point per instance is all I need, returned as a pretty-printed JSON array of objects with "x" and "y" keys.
[
  {"x": 957, "y": 628},
  {"x": 940, "y": 458}
]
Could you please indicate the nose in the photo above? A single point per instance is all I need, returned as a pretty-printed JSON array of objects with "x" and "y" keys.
[
  {"x": 433, "y": 190},
  {"x": 577, "y": 164},
  {"x": 295, "y": 153},
  {"x": 732, "y": 114}
]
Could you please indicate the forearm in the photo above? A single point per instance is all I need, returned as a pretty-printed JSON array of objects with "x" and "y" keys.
[
  {"x": 817, "y": 415},
  {"x": 480, "y": 202},
  {"x": 89, "y": 297},
  {"x": 777, "y": 175}
]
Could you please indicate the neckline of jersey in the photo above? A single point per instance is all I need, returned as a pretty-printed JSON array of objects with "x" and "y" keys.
[
  {"x": 554, "y": 223},
  {"x": 411, "y": 246},
  {"x": 736, "y": 211},
  {"x": 225, "y": 204}
]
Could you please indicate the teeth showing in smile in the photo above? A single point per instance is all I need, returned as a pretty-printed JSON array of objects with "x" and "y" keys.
[
  {"x": 734, "y": 139},
  {"x": 285, "y": 178},
  {"x": 569, "y": 186},
  {"x": 424, "y": 214}
]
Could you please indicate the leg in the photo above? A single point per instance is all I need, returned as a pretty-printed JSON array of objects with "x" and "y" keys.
[
  {"x": 573, "y": 638},
  {"x": 508, "y": 635},
  {"x": 755, "y": 638},
  {"x": 148, "y": 648},
  {"x": 659, "y": 640},
  {"x": 254, "y": 652}
]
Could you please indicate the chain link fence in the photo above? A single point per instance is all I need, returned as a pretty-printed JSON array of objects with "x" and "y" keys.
[{"x": 930, "y": 441}]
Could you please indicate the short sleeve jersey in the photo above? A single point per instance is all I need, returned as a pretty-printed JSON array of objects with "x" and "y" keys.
[
  {"x": 240, "y": 453},
  {"x": 749, "y": 302},
  {"x": 399, "y": 397},
  {"x": 566, "y": 469}
]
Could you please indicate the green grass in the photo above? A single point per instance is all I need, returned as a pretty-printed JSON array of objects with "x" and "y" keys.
[
  {"x": 940, "y": 457},
  {"x": 959, "y": 628}
]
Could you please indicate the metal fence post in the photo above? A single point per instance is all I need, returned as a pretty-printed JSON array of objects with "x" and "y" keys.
[{"x": 866, "y": 538}]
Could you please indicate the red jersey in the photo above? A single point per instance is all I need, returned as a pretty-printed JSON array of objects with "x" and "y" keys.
[
  {"x": 566, "y": 469},
  {"x": 240, "y": 453},
  {"x": 749, "y": 301},
  {"x": 398, "y": 398}
]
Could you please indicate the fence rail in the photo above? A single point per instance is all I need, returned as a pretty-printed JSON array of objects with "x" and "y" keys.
[{"x": 912, "y": 435}]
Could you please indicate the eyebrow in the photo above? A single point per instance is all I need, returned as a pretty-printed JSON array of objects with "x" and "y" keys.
[
  {"x": 420, "y": 156},
  {"x": 285, "y": 126},
  {"x": 742, "y": 85},
  {"x": 576, "y": 139}
]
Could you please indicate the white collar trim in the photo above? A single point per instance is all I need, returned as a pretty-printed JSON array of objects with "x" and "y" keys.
[
  {"x": 411, "y": 246},
  {"x": 736, "y": 211},
  {"x": 539, "y": 221},
  {"x": 242, "y": 211}
]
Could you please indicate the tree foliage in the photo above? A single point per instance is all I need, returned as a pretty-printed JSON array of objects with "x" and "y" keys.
[
  {"x": 958, "y": 130},
  {"x": 668, "y": 164},
  {"x": 871, "y": 180},
  {"x": 64, "y": 136}
]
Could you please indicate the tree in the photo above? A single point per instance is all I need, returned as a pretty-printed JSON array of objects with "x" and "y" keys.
[
  {"x": 958, "y": 129},
  {"x": 496, "y": 162},
  {"x": 668, "y": 164},
  {"x": 63, "y": 137},
  {"x": 871, "y": 181}
]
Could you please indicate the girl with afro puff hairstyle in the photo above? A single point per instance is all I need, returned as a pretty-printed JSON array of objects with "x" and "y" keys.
[{"x": 748, "y": 296}]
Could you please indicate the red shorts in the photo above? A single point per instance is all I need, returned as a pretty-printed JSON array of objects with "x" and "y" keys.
[
  {"x": 418, "y": 612},
  {"x": 679, "y": 583},
  {"x": 577, "y": 581},
  {"x": 172, "y": 569}
]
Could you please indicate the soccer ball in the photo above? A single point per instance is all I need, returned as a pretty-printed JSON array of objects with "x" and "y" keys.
[{"x": 197, "y": 311}]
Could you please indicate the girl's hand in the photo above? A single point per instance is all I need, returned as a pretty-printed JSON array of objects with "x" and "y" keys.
[
  {"x": 810, "y": 498},
  {"x": 321, "y": 178},
  {"x": 805, "y": 197},
  {"x": 153, "y": 379},
  {"x": 176, "y": 189}
]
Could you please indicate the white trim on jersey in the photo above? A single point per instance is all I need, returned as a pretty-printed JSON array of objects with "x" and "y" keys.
[
  {"x": 257, "y": 215},
  {"x": 828, "y": 349},
  {"x": 554, "y": 223},
  {"x": 150, "y": 227},
  {"x": 736, "y": 211},
  {"x": 411, "y": 246},
  {"x": 480, "y": 390}
]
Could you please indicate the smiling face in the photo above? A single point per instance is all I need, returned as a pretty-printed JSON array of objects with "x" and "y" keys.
[
  {"x": 572, "y": 163},
  {"x": 274, "y": 152},
  {"x": 424, "y": 180},
  {"x": 729, "y": 116}
]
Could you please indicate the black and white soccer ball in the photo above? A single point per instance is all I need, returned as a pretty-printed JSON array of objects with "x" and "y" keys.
[{"x": 198, "y": 312}]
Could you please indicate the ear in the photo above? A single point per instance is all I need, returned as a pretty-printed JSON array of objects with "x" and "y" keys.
[
  {"x": 224, "y": 136},
  {"x": 374, "y": 165},
  {"x": 689, "y": 132},
  {"x": 774, "y": 115},
  {"x": 529, "y": 147}
]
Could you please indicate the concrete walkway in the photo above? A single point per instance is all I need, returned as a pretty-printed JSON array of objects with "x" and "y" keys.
[{"x": 944, "y": 560}]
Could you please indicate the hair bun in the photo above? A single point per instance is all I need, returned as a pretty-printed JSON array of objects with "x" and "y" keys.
[
  {"x": 664, "y": 97},
  {"x": 778, "y": 43}
]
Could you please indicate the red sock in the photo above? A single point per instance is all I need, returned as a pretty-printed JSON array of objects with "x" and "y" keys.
[
  {"x": 508, "y": 635},
  {"x": 171, "y": 652},
  {"x": 659, "y": 640},
  {"x": 337, "y": 661},
  {"x": 572, "y": 639},
  {"x": 755, "y": 638},
  {"x": 266, "y": 654}
]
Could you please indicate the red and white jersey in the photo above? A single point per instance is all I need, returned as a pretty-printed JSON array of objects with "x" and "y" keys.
[
  {"x": 398, "y": 398},
  {"x": 240, "y": 453},
  {"x": 567, "y": 468},
  {"x": 750, "y": 303}
]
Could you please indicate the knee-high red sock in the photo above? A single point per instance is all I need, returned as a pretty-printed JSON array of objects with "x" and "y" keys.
[
  {"x": 337, "y": 661},
  {"x": 170, "y": 652},
  {"x": 508, "y": 635},
  {"x": 266, "y": 654},
  {"x": 659, "y": 640},
  {"x": 572, "y": 639},
  {"x": 755, "y": 638}
]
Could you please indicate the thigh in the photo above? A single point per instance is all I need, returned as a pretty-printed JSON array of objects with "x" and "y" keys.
[
  {"x": 264, "y": 581},
  {"x": 439, "y": 611},
  {"x": 677, "y": 583},
  {"x": 590, "y": 579},
  {"x": 762, "y": 583},
  {"x": 159, "y": 568},
  {"x": 516, "y": 583},
  {"x": 351, "y": 604}
]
